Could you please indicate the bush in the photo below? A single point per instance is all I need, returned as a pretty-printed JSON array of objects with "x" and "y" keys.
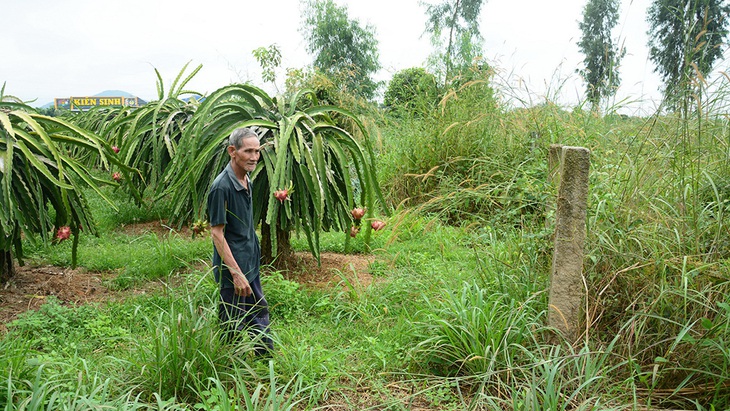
[
  {"x": 413, "y": 91},
  {"x": 65, "y": 328}
]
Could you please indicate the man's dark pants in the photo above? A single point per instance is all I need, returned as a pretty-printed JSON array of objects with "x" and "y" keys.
[{"x": 250, "y": 314}]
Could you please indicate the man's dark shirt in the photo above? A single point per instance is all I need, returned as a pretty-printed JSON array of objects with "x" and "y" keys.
[{"x": 229, "y": 203}]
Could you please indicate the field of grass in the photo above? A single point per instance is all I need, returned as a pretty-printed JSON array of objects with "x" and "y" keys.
[{"x": 455, "y": 317}]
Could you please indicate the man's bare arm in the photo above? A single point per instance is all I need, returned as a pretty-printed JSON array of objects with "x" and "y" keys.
[{"x": 240, "y": 284}]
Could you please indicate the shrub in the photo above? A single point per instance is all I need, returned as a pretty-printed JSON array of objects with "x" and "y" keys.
[{"x": 413, "y": 91}]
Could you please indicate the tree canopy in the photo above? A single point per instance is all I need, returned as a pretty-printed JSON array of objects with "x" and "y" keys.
[
  {"x": 686, "y": 37},
  {"x": 342, "y": 48},
  {"x": 454, "y": 29},
  {"x": 602, "y": 54}
]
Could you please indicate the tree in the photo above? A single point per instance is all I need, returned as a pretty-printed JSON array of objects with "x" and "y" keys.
[
  {"x": 602, "y": 55},
  {"x": 37, "y": 173},
  {"x": 686, "y": 37},
  {"x": 269, "y": 59},
  {"x": 342, "y": 48},
  {"x": 455, "y": 23}
]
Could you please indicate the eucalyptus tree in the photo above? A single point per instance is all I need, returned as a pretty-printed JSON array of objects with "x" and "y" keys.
[
  {"x": 686, "y": 37},
  {"x": 454, "y": 29},
  {"x": 602, "y": 56},
  {"x": 305, "y": 156},
  {"x": 37, "y": 174},
  {"x": 342, "y": 48}
]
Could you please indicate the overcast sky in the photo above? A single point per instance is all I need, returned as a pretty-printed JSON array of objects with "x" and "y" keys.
[{"x": 69, "y": 48}]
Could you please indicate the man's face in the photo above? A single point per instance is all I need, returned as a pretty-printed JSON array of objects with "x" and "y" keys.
[{"x": 247, "y": 156}]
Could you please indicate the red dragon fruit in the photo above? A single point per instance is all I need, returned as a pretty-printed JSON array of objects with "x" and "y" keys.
[
  {"x": 377, "y": 225},
  {"x": 281, "y": 195},
  {"x": 358, "y": 213},
  {"x": 63, "y": 233}
]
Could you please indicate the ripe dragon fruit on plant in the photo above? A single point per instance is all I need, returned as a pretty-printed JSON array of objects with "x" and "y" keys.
[
  {"x": 281, "y": 195},
  {"x": 284, "y": 194},
  {"x": 358, "y": 213},
  {"x": 377, "y": 225},
  {"x": 63, "y": 233}
]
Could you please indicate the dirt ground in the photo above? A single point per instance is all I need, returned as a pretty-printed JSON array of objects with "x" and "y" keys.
[{"x": 31, "y": 285}]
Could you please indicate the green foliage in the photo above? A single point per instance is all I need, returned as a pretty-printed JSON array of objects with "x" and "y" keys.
[
  {"x": 127, "y": 210},
  {"x": 413, "y": 91},
  {"x": 686, "y": 37},
  {"x": 38, "y": 173},
  {"x": 263, "y": 397},
  {"x": 455, "y": 23},
  {"x": 136, "y": 259},
  {"x": 269, "y": 59},
  {"x": 302, "y": 148},
  {"x": 328, "y": 92},
  {"x": 14, "y": 367},
  {"x": 474, "y": 330},
  {"x": 602, "y": 56},
  {"x": 8, "y": 98},
  {"x": 673, "y": 336},
  {"x": 462, "y": 163},
  {"x": 186, "y": 349},
  {"x": 341, "y": 47},
  {"x": 80, "y": 391},
  {"x": 554, "y": 380},
  {"x": 287, "y": 300},
  {"x": 65, "y": 329},
  {"x": 147, "y": 137}
]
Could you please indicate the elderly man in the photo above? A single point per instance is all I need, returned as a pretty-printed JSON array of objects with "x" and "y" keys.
[{"x": 236, "y": 251}]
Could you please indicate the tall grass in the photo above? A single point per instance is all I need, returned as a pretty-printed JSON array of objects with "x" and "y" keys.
[
  {"x": 186, "y": 348},
  {"x": 657, "y": 246},
  {"x": 475, "y": 330}
]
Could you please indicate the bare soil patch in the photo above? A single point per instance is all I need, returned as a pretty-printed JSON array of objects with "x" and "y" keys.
[
  {"x": 32, "y": 285},
  {"x": 160, "y": 228},
  {"x": 334, "y": 270}
]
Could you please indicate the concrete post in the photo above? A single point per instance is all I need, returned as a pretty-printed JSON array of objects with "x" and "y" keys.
[{"x": 566, "y": 282}]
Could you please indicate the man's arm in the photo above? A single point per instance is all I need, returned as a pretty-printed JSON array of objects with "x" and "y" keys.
[{"x": 240, "y": 284}]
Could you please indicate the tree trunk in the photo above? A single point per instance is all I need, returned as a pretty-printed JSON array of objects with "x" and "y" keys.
[
  {"x": 7, "y": 269},
  {"x": 284, "y": 258}
]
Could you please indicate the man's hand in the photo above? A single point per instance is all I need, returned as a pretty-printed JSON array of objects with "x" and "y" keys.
[{"x": 240, "y": 284}]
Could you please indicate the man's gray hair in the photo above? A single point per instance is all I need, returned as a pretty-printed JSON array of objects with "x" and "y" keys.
[{"x": 236, "y": 138}]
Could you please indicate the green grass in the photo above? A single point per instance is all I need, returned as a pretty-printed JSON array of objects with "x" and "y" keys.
[
  {"x": 456, "y": 320},
  {"x": 133, "y": 259}
]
